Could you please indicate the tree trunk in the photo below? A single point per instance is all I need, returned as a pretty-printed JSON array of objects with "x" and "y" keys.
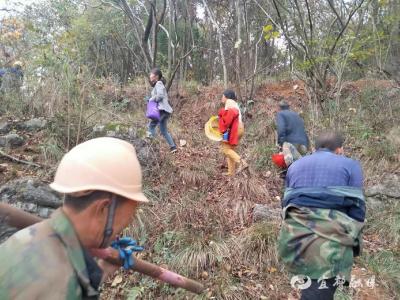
[
  {"x": 238, "y": 47},
  {"x": 221, "y": 46},
  {"x": 170, "y": 40},
  {"x": 154, "y": 39}
]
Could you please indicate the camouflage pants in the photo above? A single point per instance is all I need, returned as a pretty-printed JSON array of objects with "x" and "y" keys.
[
  {"x": 318, "y": 242},
  {"x": 293, "y": 152}
]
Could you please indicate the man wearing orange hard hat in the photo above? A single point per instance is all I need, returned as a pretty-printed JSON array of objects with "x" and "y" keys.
[{"x": 102, "y": 183}]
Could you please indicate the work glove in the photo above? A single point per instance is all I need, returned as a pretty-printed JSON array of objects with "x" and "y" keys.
[{"x": 126, "y": 246}]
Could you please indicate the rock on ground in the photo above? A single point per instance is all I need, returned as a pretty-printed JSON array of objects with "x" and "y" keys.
[
  {"x": 32, "y": 125},
  {"x": 5, "y": 127},
  {"x": 388, "y": 188},
  {"x": 30, "y": 195},
  {"x": 263, "y": 212},
  {"x": 146, "y": 151},
  {"x": 12, "y": 140},
  {"x": 386, "y": 191}
]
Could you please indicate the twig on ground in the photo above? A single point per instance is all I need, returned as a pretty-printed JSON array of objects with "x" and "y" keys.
[
  {"x": 20, "y": 160},
  {"x": 113, "y": 114}
]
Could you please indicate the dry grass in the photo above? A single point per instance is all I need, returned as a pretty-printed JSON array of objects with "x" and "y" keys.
[
  {"x": 256, "y": 246},
  {"x": 200, "y": 254},
  {"x": 250, "y": 189},
  {"x": 193, "y": 177},
  {"x": 385, "y": 223},
  {"x": 227, "y": 288},
  {"x": 200, "y": 217}
]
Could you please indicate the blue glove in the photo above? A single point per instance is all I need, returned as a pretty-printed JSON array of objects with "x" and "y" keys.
[{"x": 126, "y": 246}]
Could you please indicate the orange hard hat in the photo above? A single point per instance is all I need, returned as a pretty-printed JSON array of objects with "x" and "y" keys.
[
  {"x": 279, "y": 160},
  {"x": 102, "y": 164}
]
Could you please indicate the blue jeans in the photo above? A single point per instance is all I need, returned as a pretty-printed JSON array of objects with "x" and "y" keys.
[{"x": 164, "y": 116}]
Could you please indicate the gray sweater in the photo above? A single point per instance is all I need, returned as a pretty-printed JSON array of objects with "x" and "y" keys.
[{"x": 160, "y": 95}]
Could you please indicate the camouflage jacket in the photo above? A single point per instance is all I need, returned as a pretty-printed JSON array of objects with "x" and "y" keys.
[
  {"x": 46, "y": 261},
  {"x": 318, "y": 242}
]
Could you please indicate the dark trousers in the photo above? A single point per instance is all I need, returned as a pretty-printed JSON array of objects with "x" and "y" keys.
[{"x": 314, "y": 293}]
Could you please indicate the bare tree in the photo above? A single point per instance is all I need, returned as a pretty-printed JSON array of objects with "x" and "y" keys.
[
  {"x": 297, "y": 20},
  {"x": 221, "y": 45}
]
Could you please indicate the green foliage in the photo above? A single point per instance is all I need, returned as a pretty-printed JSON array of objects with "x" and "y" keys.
[
  {"x": 263, "y": 153},
  {"x": 360, "y": 117},
  {"x": 381, "y": 148},
  {"x": 269, "y": 33},
  {"x": 52, "y": 151},
  {"x": 135, "y": 292},
  {"x": 164, "y": 245},
  {"x": 15, "y": 102}
]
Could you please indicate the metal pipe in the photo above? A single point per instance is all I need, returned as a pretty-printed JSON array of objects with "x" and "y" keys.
[
  {"x": 111, "y": 255},
  {"x": 20, "y": 219}
]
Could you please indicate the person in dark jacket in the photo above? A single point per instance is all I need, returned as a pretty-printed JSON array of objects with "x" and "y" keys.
[
  {"x": 11, "y": 79},
  {"x": 290, "y": 127}
]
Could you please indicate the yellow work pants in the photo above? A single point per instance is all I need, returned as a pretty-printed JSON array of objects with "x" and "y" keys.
[{"x": 232, "y": 157}]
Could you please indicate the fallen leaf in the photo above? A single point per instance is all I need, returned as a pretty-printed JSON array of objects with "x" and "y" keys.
[
  {"x": 204, "y": 275},
  {"x": 3, "y": 167},
  {"x": 117, "y": 280},
  {"x": 182, "y": 143},
  {"x": 227, "y": 267}
]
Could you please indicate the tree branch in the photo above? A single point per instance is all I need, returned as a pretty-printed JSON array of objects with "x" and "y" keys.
[
  {"x": 332, "y": 6},
  {"x": 176, "y": 68},
  {"x": 21, "y": 161},
  {"x": 310, "y": 21}
]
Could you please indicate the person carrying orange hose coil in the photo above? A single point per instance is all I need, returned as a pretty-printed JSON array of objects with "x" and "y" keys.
[{"x": 231, "y": 126}]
